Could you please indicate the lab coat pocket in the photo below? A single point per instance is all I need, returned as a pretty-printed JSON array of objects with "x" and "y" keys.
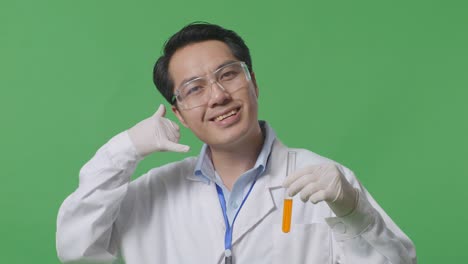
[{"x": 305, "y": 243}]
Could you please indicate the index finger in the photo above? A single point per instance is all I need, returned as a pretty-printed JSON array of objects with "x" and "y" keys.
[
  {"x": 174, "y": 125},
  {"x": 299, "y": 173}
]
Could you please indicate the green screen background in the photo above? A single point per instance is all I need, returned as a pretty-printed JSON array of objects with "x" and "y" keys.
[{"x": 379, "y": 86}]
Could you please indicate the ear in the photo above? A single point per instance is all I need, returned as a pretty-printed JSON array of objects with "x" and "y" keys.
[
  {"x": 254, "y": 81},
  {"x": 179, "y": 115}
]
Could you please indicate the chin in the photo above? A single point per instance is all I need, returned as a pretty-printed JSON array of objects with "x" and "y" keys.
[{"x": 230, "y": 136}]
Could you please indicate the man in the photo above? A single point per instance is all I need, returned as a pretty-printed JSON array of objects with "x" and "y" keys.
[{"x": 224, "y": 206}]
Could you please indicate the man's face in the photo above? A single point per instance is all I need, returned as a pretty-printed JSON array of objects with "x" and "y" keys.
[{"x": 202, "y": 58}]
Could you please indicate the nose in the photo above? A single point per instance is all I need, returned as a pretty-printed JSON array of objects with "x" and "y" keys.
[{"x": 219, "y": 95}]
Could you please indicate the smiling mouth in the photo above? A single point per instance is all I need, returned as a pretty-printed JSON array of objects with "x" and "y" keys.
[{"x": 228, "y": 114}]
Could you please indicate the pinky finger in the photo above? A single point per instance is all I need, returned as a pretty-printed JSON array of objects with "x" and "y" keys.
[{"x": 175, "y": 147}]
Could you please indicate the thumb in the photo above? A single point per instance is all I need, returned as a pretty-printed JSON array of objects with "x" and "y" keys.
[
  {"x": 175, "y": 147},
  {"x": 161, "y": 112}
]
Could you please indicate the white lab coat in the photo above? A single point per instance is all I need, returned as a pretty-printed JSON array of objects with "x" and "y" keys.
[{"x": 168, "y": 216}]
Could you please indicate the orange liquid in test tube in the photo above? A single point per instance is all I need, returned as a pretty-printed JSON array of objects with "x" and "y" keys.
[
  {"x": 287, "y": 212},
  {"x": 288, "y": 202}
]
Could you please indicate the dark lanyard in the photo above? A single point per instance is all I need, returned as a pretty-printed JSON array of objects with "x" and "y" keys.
[{"x": 229, "y": 228}]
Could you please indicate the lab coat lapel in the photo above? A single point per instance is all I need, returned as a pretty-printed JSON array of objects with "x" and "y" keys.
[
  {"x": 208, "y": 200},
  {"x": 210, "y": 221},
  {"x": 205, "y": 197},
  {"x": 261, "y": 200}
]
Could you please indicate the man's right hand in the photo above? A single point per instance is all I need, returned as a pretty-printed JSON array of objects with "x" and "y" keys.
[{"x": 156, "y": 133}]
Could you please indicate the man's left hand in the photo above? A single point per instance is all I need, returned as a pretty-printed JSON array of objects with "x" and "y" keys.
[{"x": 323, "y": 182}]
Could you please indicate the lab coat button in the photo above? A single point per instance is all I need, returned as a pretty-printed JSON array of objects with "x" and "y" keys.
[
  {"x": 339, "y": 228},
  {"x": 235, "y": 205}
]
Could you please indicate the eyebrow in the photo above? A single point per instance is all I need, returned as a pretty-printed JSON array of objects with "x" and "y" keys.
[{"x": 186, "y": 80}]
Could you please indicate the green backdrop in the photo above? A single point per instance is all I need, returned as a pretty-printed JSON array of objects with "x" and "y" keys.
[{"x": 379, "y": 86}]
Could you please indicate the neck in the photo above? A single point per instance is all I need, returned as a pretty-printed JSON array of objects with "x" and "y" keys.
[{"x": 230, "y": 163}]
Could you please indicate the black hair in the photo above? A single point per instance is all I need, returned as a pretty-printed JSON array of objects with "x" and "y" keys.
[{"x": 193, "y": 33}]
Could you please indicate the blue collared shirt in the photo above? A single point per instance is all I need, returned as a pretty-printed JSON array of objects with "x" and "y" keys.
[{"x": 205, "y": 170}]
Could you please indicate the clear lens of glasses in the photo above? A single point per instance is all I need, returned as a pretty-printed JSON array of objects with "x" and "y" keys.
[{"x": 230, "y": 78}]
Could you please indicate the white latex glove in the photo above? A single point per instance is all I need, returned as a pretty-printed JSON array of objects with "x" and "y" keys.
[
  {"x": 156, "y": 133},
  {"x": 323, "y": 182}
]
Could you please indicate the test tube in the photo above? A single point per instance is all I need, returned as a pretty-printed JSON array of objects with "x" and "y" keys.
[{"x": 288, "y": 202}]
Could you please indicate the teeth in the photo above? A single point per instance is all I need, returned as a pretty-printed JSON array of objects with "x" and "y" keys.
[{"x": 222, "y": 117}]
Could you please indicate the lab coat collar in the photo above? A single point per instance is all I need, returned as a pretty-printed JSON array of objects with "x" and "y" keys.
[
  {"x": 278, "y": 154},
  {"x": 204, "y": 170}
]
